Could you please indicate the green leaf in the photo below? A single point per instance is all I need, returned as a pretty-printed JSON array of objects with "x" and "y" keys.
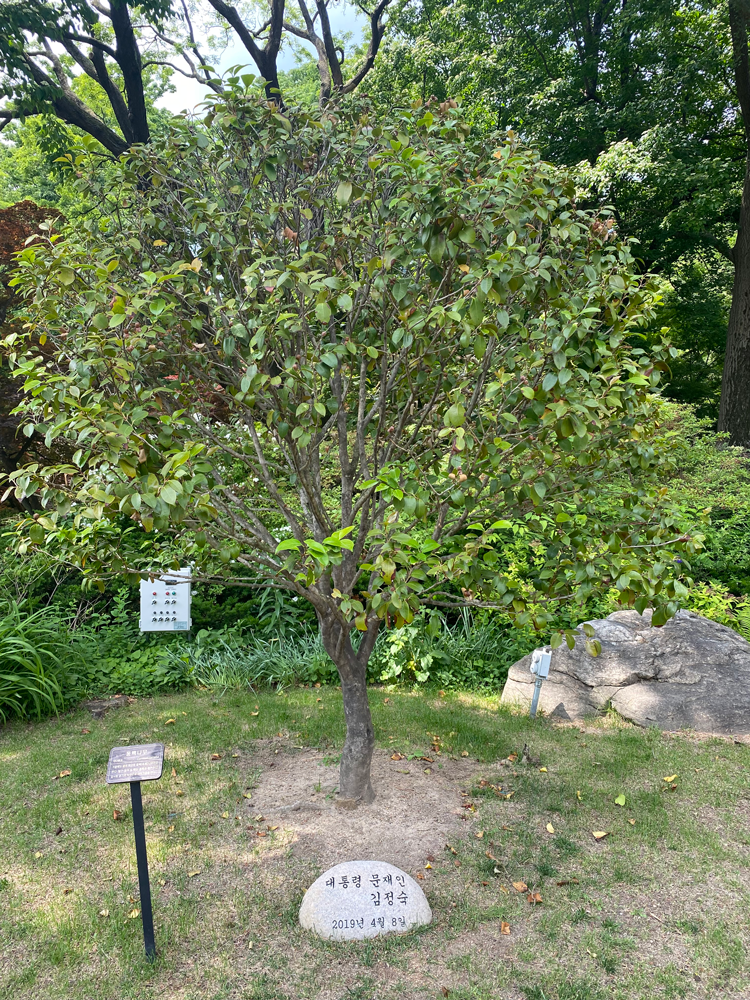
[
  {"x": 66, "y": 275},
  {"x": 343, "y": 192},
  {"x": 323, "y": 311},
  {"x": 289, "y": 545},
  {"x": 620, "y": 800}
]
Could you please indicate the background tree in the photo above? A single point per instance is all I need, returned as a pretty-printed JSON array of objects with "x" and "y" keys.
[
  {"x": 48, "y": 46},
  {"x": 642, "y": 95},
  {"x": 346, "y": 355}
]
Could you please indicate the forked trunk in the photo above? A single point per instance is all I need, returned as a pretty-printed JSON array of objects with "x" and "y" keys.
[{"x": 355, "y": 785}]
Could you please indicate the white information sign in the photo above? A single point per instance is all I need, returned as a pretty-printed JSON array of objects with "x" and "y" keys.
[{"x": 165, "y": 602}]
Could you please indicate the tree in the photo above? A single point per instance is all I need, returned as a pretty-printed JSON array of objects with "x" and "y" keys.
[
  {"x": 345, "y": 356},
  {"x": 734, "y": 411},
  {"x": 640, "y": 94},
  {"x": 48, "y": 46}
]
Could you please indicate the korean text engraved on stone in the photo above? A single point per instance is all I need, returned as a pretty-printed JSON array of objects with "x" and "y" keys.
[{"x": 361, "y": 899}]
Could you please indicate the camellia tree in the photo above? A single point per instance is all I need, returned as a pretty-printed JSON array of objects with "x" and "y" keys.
[{"x": 346, "y": 355}]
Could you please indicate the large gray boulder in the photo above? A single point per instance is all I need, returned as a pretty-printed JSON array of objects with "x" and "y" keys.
[{"x": 691, "y": 673}]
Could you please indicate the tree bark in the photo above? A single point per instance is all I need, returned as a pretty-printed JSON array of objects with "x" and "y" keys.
[
  {"x": 355, "y": 785},
  {"x": 734, "y": 408}
]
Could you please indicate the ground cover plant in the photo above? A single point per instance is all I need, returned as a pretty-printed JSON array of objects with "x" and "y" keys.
[{"x": 653, "y": 910}]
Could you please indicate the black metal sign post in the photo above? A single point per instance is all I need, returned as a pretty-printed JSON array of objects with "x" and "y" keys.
[{"x": 134, "y": 765}]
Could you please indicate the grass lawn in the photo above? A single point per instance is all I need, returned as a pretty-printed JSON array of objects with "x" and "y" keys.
[{"x": 658, "y": 908}]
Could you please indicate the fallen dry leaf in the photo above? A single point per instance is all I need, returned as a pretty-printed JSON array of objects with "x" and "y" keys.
[
  {"x": 441, "y": 694},
  {"x": 67, "y": 892},
  {"x": 543, "y": 769},
  {"x": 116, "y": 814},
  {"x": 272, "y": 828},
  {"x": 193, "y": 874},
  {"x": 513, "y": 757},
  {"x": 632, "y": 822},
  {"x": 235, "y": 755},
  {"x": 262, "y": 833},
  {"x": 179, "y": 792},
  {"x": 170, "y": 722},
  {"x": 479, "y": 834},
  {"x": 174, "y": 773},
  {"x": 85, "y": 732},
  {"x": 506, "y": 827},
  {"x": 64, "y": 774},
  {"x": 134, "y": 913},
  {"x": 668, "y": 779},
  {"x": 503, "y": 889},
  {"x": 420, "y": 875},
  {"x": 171, "y": 828},
  {"x": 504, "y": 927},
  {"x": 225, "y": 815},
  {"x": 464, "y": 753},
  {"x": 58, "y": 831},
  {"x": 600, "y": 834},
  {"x": 397, "y": 756},
  {"x": 550, "y": 828},
  {"x": 386, "y": 701},
  {"x": 38, "y": 854},
  {"x": 520, "y": 886},
  {"x": 578, "y": 796},
  {"x": 534, "y": 897},
  {"x": 254, "y": 713},
  {"x": 451, "y": 849},
  {"x": 457, "y": 864},
  {"x": 103, "y": 913},
  {"x": 247, "y": 795},
  {"x": 568, "y": 881},
  {"x": 215, "y": 756}
]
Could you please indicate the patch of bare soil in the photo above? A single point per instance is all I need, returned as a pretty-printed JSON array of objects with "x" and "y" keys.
[{"x": 417, "y": 810}]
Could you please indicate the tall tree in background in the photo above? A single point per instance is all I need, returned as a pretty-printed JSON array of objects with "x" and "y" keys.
[
  {"x": 638, "y": 96},
  {"x": 47, "y": 46},
  {"x": 734, "y": 412}
]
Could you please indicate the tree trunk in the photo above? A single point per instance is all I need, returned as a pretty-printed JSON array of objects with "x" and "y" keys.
[
  {"x": 355, "y": 785},
  {"x": 734, "y": 409}
]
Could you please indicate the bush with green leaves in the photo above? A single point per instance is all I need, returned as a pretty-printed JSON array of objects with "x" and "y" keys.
[{"x": 344, "y": 353}]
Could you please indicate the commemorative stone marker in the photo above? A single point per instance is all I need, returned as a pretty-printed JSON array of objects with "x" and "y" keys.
[{"x": 363, "y": 899}]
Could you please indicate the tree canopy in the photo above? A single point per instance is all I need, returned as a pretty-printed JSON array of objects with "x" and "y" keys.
[{"x": 345, "y": 355}]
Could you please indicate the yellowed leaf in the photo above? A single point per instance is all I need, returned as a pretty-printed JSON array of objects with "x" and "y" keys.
[
  {"x": 159, "y": 243},
  {"x": 632, "y": 822},
  {"x": 103, "y": 913},
  {"x": 247, "y": 795},
  {"x": 543, "y": 770},
  {"x": 670, "y": 777},
  {"x": 600, "y": 834},
  {"x": 534, "y": 897},
  {"x": 254, "y": 713},
  {"x": 215, "y": 756},
  {"x": 225, "y": 815},
  {"x": 520, "y": 886},
  {"x": 38, "y": 854},
  {"x": 578, "y": 796},
  {"x": 193, "y": 874},
  {"x": 464, "y": 753},
  {"x": 171, "y": 828},
  {"x": 479, "y": 834},
  {"x": 64, "y": 774},
  {"x": 504, "y": 927},
  {"x": 170, "y": 722},
  {"x": 465, "y": 269},
  {"x": 179, "y": 792},
  {"x": 134, "y": 913},
  {"x": 174, "y": 773},
  {"x": 503, "y": 889},
  {"x": 550, "y": 828}
]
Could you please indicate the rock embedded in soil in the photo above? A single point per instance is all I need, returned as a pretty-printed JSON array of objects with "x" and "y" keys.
[
  {"x": 691, "y": 673},
  {"x": 363, "y": 899}
]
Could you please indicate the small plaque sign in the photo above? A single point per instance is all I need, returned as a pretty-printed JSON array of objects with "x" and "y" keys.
[
  {"x": 138, "y": 763},
  {"x": 363, "y": 899}
]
